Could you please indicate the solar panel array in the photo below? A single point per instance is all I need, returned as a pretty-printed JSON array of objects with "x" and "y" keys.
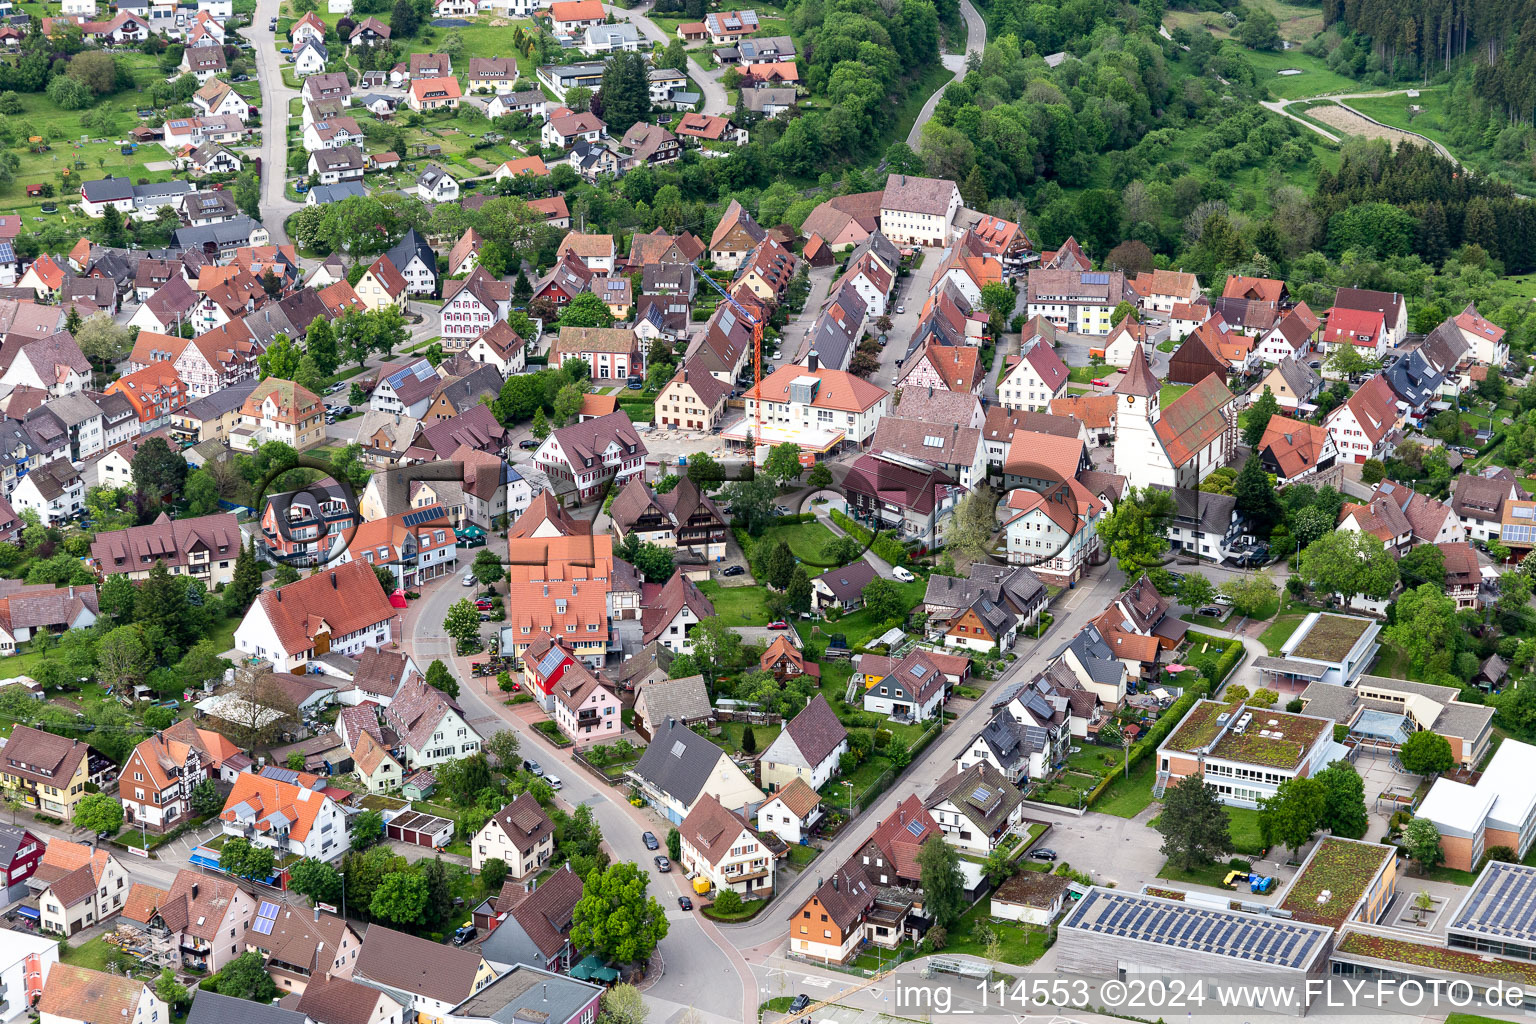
[
  {"x": 917, "y": 828},
  {"x": 287, "y": 775},
  {"x": 1232, "y": 934},
  {"x": 266, "y": 917},
  {"x": 423, "y": 515},
  {"x": 1503, "y": 903},
  {"x": 1095, "y": 278}
]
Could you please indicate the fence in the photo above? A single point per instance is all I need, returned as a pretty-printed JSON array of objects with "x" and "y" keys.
[{"x": 750, "y": 717}]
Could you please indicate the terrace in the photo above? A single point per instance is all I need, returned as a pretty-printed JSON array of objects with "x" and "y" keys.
[{"x": 1334, "y": 880}]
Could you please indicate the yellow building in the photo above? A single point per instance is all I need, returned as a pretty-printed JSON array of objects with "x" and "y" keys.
[{"x": 47, "y": 772}]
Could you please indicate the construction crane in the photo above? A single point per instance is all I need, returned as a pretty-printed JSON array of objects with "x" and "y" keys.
[{"x": 757, "y": 345}]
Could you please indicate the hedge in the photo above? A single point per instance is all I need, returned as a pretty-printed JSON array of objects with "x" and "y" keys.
[
  {"x": 1164, "y": 725},
  {"x": 885, "y": 545},
  {"x": 1226, "y": 661}
]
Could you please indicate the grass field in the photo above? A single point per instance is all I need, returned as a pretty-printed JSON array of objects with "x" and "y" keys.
[
  {"x": 1168, "y": 392},
  {"x": 859, "y": 627},
  {"x": 1315, "y": 78},
  {"x": 739, "y": 606},
  {"x": 1127, "y": 797},
  {"x": 806, "y": 540},
  {"x": 1244, "y": 829},
  {"x": 95, "y": 954},
  {"x": 1278, "y": 633}
]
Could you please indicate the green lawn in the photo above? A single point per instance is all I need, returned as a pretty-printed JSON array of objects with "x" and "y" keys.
[
  {"x": 806, "y": 540},
  {"x": 1279, "y": 632},
  {"x": 1018, "y": 944},
  {"x": 1211, "y": 874},
  {"x": 1392, "y": 662},
  {"x": 836, "y": 794},
  {"x": 1472, "y": 1018},
  {"x": 1244, "y": 828},
  {"x": 1168, "y": 392},
  {"x": 739, "y": 606},
  {"x": 914, "y": 94},
  {"x": 1315, "y": 80},
  {"x": 96, "y": 955},
  {"x": 861, "y": 626},
  {"x": 731, "y": 733},
  {"x": 1128, "y": 797},
  {"x": 801, "y": 856}
]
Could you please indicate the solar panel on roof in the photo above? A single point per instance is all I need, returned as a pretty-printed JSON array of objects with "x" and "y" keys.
[
  {"x": 982, "y": 794},
  {"x": 280, "y": 774},
  {"x": 262, "y": 926},
  {"x": 1095, "y": 278},
  {"x": 267, "y": 910},
  {"x": 422, "y": 516},
  {"x": 918, "y": 671},
  {"x": 917, "y": 828}
]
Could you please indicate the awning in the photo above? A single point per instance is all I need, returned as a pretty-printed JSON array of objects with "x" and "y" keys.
[
  {"x": 1285, "y": 666},
  {"x": 470, "y": 531},
  {"x": 592, "y": 969},
  {"x": 29, "y": 912}
]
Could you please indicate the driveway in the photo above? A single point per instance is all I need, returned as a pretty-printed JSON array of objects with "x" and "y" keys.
[
  {"x": 975, "y": 39},
  {"x": 276, "y": 208},
  {"x": 715, "y": 101}
]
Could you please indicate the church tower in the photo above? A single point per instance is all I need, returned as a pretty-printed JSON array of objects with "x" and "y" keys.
[{"x": 1139, "y": 455}]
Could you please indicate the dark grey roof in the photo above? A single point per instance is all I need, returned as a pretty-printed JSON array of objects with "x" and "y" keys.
[
  {"x": 1211, "y": 513},
  {"x": 230, "y": 233},
  {"x": 11, "y": 839},
  {"x": 212, "y": 1008},
  {"x": 1010, "y": 741},
  {"x": 1413, "y": 380},
  {"x": 884, "y": 249},
  {"x": 1300, "y": 378},
  {"x": 337, "y": 192},
  {"x": 848, "y": 583},
  {"x": 225, "y": 400},
  {"x": 678, "y": 762},
  {"x": 1096, "y": 655},
  {"x": 527, "y": 994},
  {"x": 106, "y": 190}
]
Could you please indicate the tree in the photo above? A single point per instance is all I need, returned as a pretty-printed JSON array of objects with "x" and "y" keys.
[
  {"x": 973, "y": 525},
  {"x": 280, "y": 360},
  {"x": 1256, "y": 497},
  {"x": 1292, "y": 816},
  {"x": 246, "y": 583},
  {"x": 463, "y": 779},
  {"x": 1344, "y": 812},
  {"x": 748, "y": 740},
  {"x": 439, "y": 890},
  {"x": 103, "y": 341},
  {"x": 1426, "y": 753},
  {"x": 820, "y": 476},
  {"x": 586, "y": 310},
  {"x": 615, "y": 918},
  {"x": 777, "y": 565},
  {"x": 121, "y": 659},
  {"x": 1421, "y": 841},
  {"x": 728, "y": 901},
  {"x": 401, "y": 898},
  {"x": 1258, "y": 418},
  {"x": 206, "y": 798},
  {"x": 1250, "y": 594},
  {"x": 99, "y": 813},
  {"x": 1135, "y": 532},
  {"x": 798, "y": 593},
  {"x": 1348, "y": 563},
  {"x": 1425, "y": 625},
  {"x": 404, "y": 21},
  {"x": 170, "y": 991},
  {"x": 943, "y": 885},
  {"x": 1195, "y": 591},
  {"x": 242, "y": 860},
  {"x": 1000, "y": 867},
  {"x": 626, "y": 94},
  {"x": 623, "y": 1004},
  {"x": 540, "y": 426},
  {"x": 246, "y": 977},
  {"x": 1373, "y": 471},
  {"x": 783, "y": 463},
  {"x": 463, "y": 624},
  {"x": 998, "y": 300},
  {"x": 158, "y": 472},
  {"x": 487, "y": 568},
  {"x": 315, "y": 879},
  {"x": 357, "y": 396},
  {"x": 439, "y": 677},
  {"x": 1194, "y": 825},
  {"x": 716, "y": 647},
  {"x": 503, "y": 746},
  {"x": 1424, "y": 563},
  {"x": 367, "y": 829},
  {"x": 1264, "y": 698},
  {"x": 493, "y": 872},
  {"x": 884, "y": 599}
]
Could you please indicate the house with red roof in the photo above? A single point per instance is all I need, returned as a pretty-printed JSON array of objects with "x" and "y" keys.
[
  {"x": 1363, "y": 330},
  {"x": 1037, "y": 379},
  {"x": 342, "y": 610},
  {"x": 1485, "y": 339},
  {"x": 288, "y": 817},
  {"x": 1362, "y": 427},
  {"x": 1177, "y": 446}
]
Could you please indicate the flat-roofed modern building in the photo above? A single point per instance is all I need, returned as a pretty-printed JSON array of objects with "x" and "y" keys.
[
  {"x": 1343, "y": 880},
  {"x": 1500, "y": 810},
  {"x": 1110, "y": 933},
  {"x": 1325, "y": 648},
  {"x": 1382, "y": 713},
  {"x": 1244, "y": 753},
  {"x": 1495, "y": 915}
]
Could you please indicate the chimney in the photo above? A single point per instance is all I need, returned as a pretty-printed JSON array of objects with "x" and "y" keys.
[
  {"x": 279, "y": 592},
  {"x": 333, "y": 581},
  {"x": 317, "y": 913},
  {"x": 194, "y": 890},
  {"x": 813, "y": 362}
]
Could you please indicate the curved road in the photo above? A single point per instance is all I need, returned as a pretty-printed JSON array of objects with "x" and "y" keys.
[
  {"x": 715, "y": 101},
  {"x": 276, "y": 208},
  {"x": 975, "y": 40},
  {"x": 1278, "y": 107}
]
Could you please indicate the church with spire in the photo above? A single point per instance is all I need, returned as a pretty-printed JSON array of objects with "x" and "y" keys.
[{"x": 1174, "y": 447}]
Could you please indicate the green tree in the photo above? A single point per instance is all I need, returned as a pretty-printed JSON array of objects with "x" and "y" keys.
[
  {"x": 776, "y": 566},
  {"x": 748, "y": 740},
  {"x": 463, "y": 624},
  {"x": 99, "y": 812},
  {"x": 1421, "y": 841},
  {"x": 401, "y": 898},
  {"x": 943, "y": 885},
  {"x": 493, "y": 872},
  {"x": 1135, "y": 533},
  {"x": 1344, "y": 812},
  {"x": 172, "y": 992},
  {"x": 404, "y": 21},
  {"x": 246, "y": 583},
  {"x": 1195, "y": 591},
  {"x": 586, "y": 310},
  {"x": 1250, "y": 594},
  {"x": 568, "y": 402},
  {"x": 295, "y": 762},
  {"x": 1425, "y": 625},
  {"x": 315, "y": 879},
  {"x": 502, "y": 745},
  {"x": 1424, "y": 563},
  {"x": 1194, "y": 825},
  {"x": 280, "y": 360},
  {"x": 1292, "y": 816},
  {"x": 820, "y": 476},
  {"x": 626, "y": 93},
  {"x": 1000, "y": 867},
  {"x": 1258, "y": 418},
  {"x": 122, "y": 659},
  {"x": 840, "y": 550},
  {"x": 246, "y": 977},
  {"x": 487, "y": 568},
  {"x": 973, "y": 525},
  {"x": 728, "y": 901},
  {"x": 206, "y": 799},
  {"x": 998, "y": 300},
  {"x": 357, "y": 396},
  {"x": 674, "y": 844},
  {"x": 752, "y": 503},
  {"x": 158, "y": 472},
  {"x": 463, "y": 779},
  {"x": 1348, "y": 563},
  {"x": 1426, "y": 753},
  {"x": 716, "y": 647},
  {"x": 783, "y": 463},
  {"x": 1256, "y": 497},
  {"x": 439, "y": 890},
  {"x": 704, "y": 471},
  {"x": 367, "y": 830},
  {"x": 623, "y": 1004},
  {"x": 798, "y": 593},
  {"x": 884, "y": 599},
  {"x": 615, "y": 918}
]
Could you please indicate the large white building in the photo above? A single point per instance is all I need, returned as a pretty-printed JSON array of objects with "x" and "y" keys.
[
  {"x": 287, "y": 817},
  {"x": 1176, "y": 447},
  {"x": 342, "y": 610},
  {"x": 918, "y": 211}
]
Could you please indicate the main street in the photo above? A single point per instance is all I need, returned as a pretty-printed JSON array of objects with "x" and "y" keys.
[{"x": 276, "y": 207}]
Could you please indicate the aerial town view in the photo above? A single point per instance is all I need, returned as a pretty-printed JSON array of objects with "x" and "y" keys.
[{"x": 842, "y": 512}]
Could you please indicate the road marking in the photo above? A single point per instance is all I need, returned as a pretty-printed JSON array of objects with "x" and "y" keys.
[{"x": 818, "y": 982}]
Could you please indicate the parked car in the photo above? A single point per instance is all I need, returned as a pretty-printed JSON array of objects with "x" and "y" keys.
[
  {"x": 685, "y": 903},
  {"x": 469, "y": 579},
  {"x": 649, "y": 839},
  {"x": 465, "y": 934},
  {"x": 528, "y": 443},
  {"x": 778, "y": 624},
  {"x": 482, "y": 604},
  {"x": 345, "y": 410},
  {"x": 554, "y": 781},
  {"x": 801, "y": 1001},
  {"x": 661, "y": 862},
  {"x": 781, "y": 510},
  {"x": 901, "y": 309},
  {"x": 902, "y": 573},
  {"x": 533, "y": 767},
  {"x": 1043, "y": 854},
  {"x": 734, "y": 570}
]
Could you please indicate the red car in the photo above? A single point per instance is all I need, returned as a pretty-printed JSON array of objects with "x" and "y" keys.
[
  {"x": 781, "y": 624},
  {"x": 483, "y": 604}
]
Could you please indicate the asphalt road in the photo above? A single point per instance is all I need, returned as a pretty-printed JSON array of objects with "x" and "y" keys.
[
  {"x": 276, "y": 208},
  {"x": 715, "y": 99},
  {"x": 975, "y": 39}
]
